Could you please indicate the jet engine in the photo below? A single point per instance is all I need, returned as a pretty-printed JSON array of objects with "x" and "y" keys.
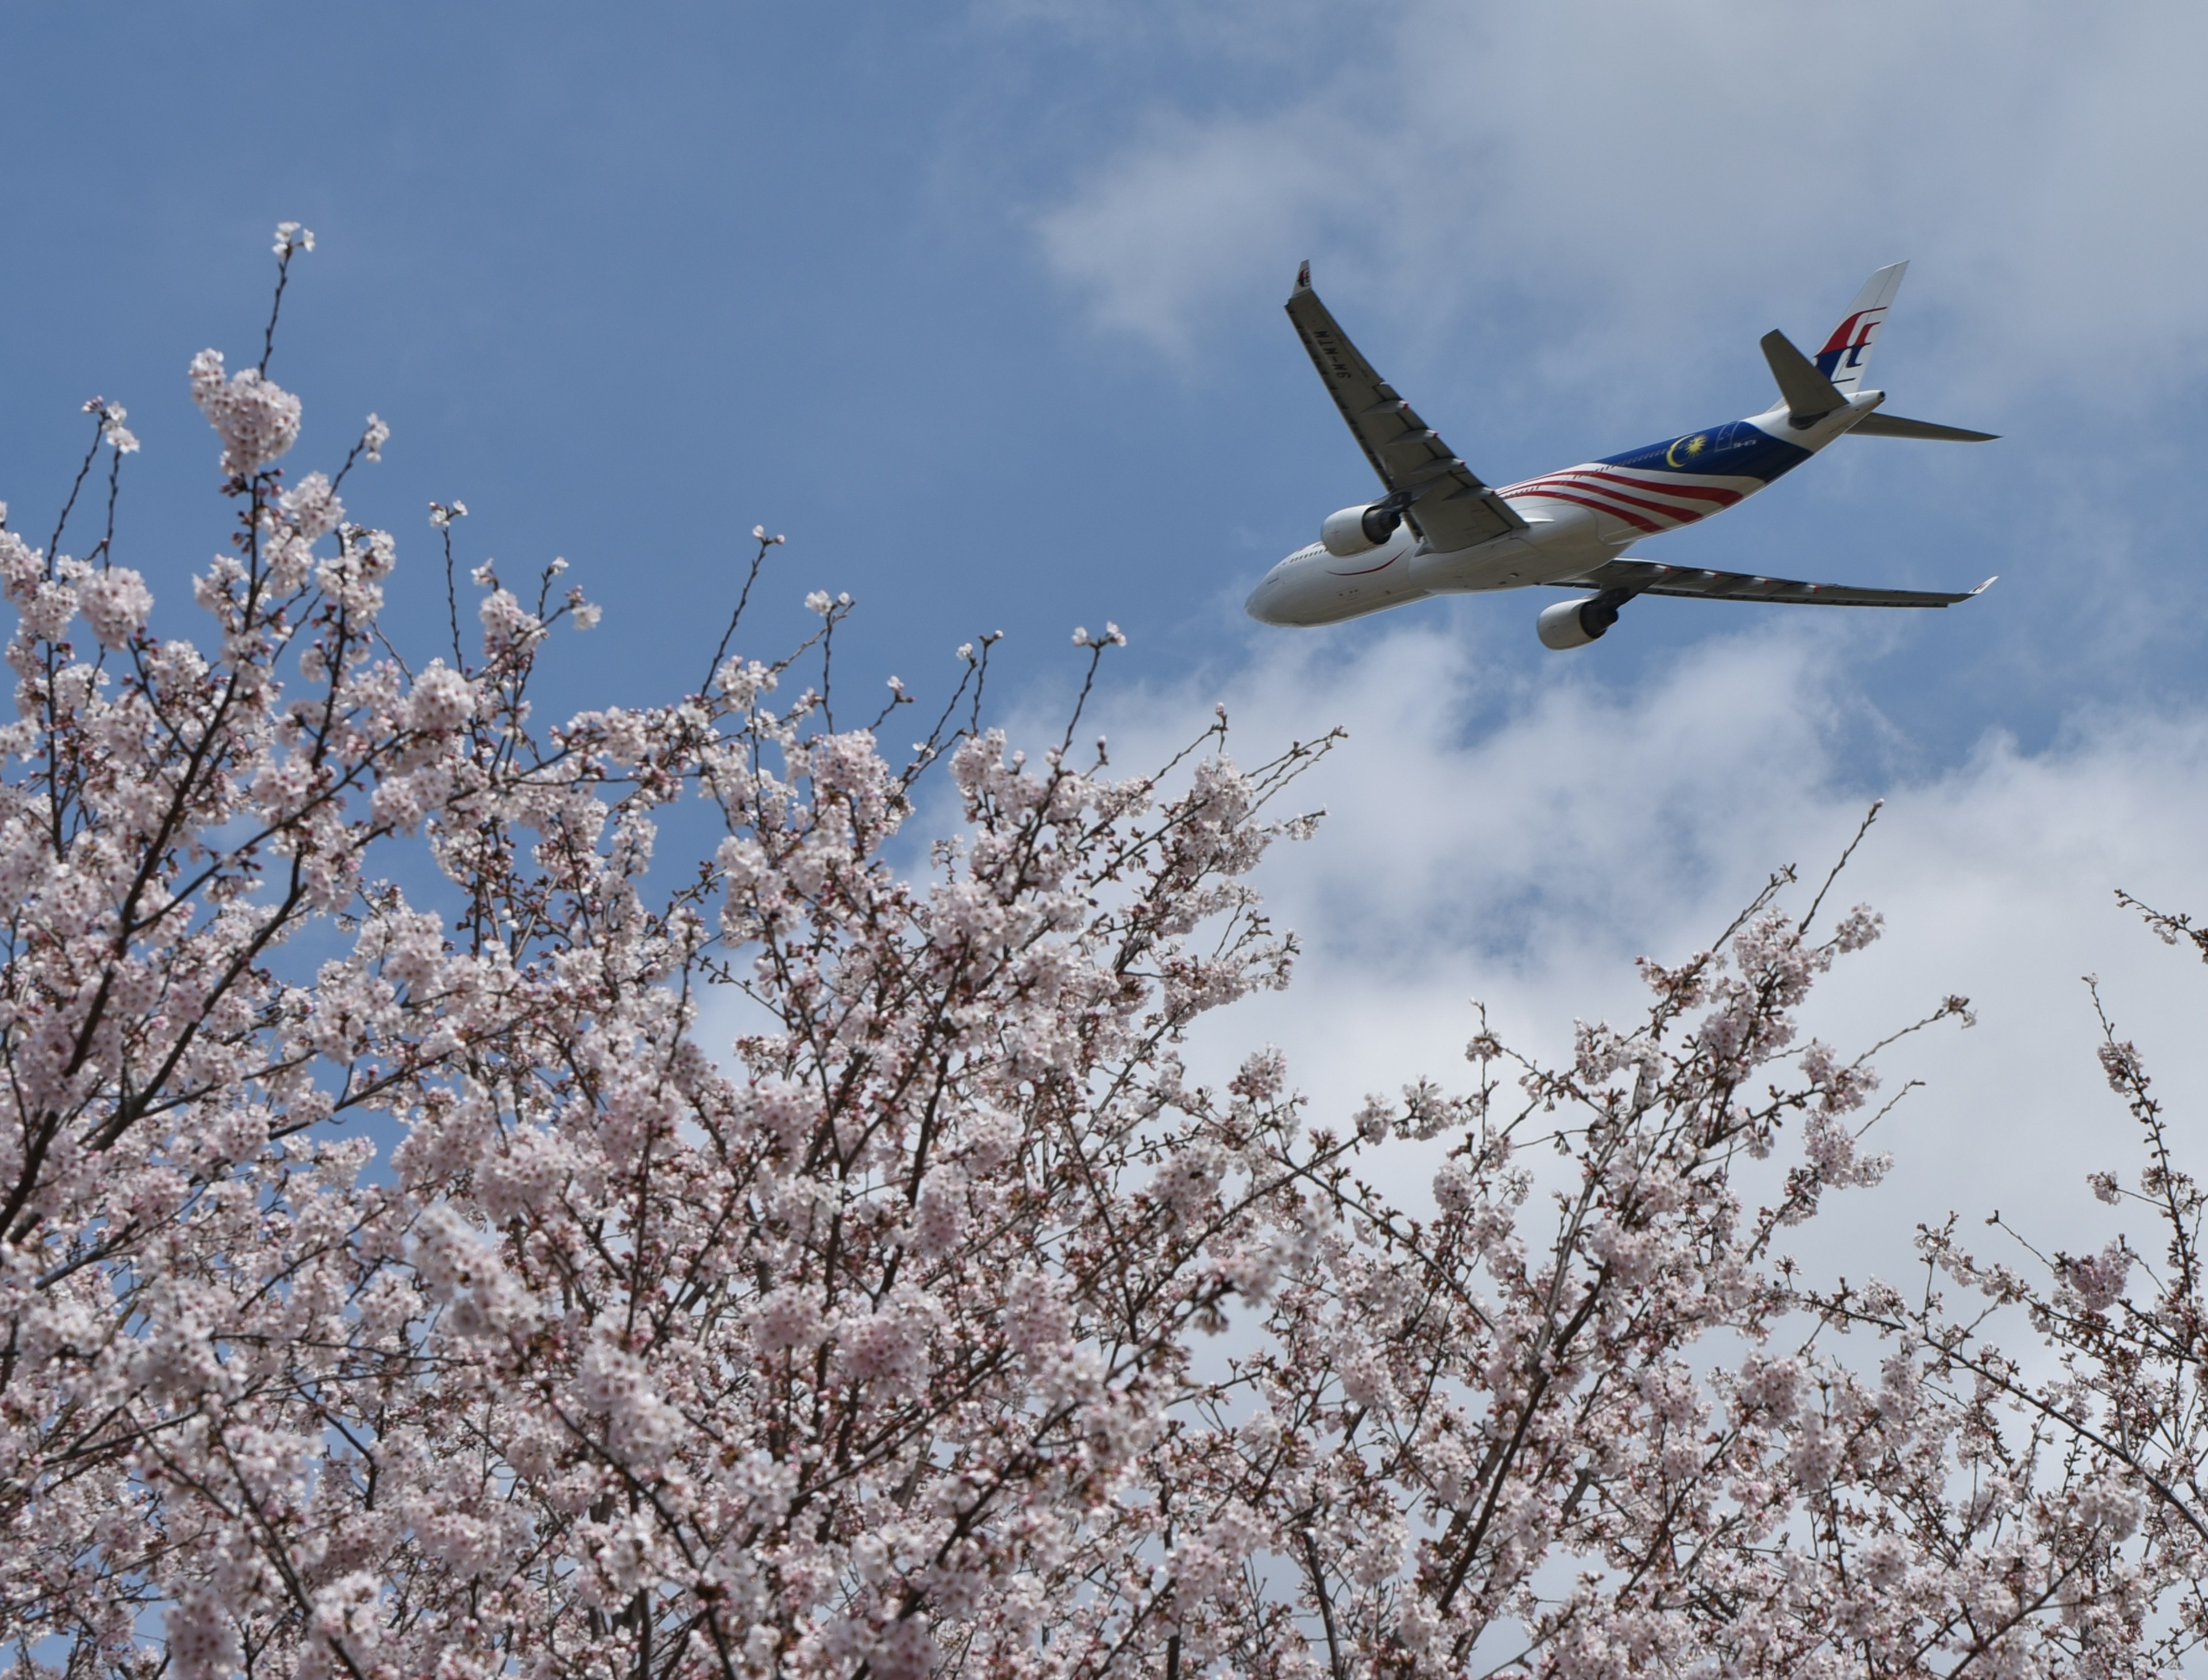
[
  {"x": 1576, "y": 623},
  {"x": 1352, "y": 531}
]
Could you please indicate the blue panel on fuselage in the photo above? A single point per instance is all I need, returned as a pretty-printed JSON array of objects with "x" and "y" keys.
[{"x": 1737, "y": 449}]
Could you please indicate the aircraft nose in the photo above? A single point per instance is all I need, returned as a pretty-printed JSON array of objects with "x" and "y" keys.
[{"x": 1263, "y": 604}]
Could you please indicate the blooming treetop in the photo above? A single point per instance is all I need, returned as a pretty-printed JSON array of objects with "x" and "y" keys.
[{"x": 891, "y": 1345}]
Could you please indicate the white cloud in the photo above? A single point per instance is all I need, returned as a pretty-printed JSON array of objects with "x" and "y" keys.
[
  {"x": 1186, "y": 214},
  {"x": 1645, "y": 179},
  {"x": 1522, "y": 843}
]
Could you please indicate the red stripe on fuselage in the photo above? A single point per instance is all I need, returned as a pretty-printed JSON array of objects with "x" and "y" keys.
[
  {"x": 1599, "y": 507},
  {"x": 1723, "y": 497},
  {"x": 1590, "y": 480},
  {"x": 1683, "y": 515},
  {"x": 1599, "y": 488}
]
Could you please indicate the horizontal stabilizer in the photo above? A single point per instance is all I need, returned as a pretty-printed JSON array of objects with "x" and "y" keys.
[
  {"x": 1642, "y": 576},
  {"x": 1893, "y": 425},
  {"x": 1809, "y": 395}
]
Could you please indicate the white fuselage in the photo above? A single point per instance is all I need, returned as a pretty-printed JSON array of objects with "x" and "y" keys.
[{"x": 1575, "y": 520}]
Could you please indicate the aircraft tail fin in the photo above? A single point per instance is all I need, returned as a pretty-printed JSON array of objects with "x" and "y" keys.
[
  {"x": 1813, "y": 389},
  {"x": 1846, "y": 353}
]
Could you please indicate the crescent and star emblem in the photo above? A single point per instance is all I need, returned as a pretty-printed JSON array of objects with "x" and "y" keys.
[{"x": 1693, "y": 446}]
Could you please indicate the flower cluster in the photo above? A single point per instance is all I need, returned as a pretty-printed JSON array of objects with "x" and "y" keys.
[{"x": 256, "y": 418}]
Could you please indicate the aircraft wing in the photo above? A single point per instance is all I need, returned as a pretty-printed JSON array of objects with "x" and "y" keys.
[
  {"x": 1443, "y": 499},
  {"x": 1643, "y": 577}
]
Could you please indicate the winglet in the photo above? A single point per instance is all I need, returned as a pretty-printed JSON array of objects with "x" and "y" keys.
[
  {"x": 1984, "y": 587},
  {"x": 1303, "y": 276}
]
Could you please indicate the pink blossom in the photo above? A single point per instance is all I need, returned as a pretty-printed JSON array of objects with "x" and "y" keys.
[
  {"x": 440, "y": 701},
  {"x": 256, "y": 419},
  {"x": 2099, "y": 1278},
  {"x": 116, "y": 603},
  {"x": 312, "y": 507}
]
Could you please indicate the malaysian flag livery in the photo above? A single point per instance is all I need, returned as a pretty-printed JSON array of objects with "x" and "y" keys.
[{"x": 1677, "y": 482}]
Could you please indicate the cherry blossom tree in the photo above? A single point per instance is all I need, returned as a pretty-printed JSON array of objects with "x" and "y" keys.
[{"x": 947, "y": 1322}]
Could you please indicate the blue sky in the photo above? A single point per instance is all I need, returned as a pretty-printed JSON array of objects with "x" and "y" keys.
[{"x": 981, "y": 304}]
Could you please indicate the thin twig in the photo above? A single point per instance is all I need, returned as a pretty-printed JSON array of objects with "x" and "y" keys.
[{"x": 1861, "y": 829}]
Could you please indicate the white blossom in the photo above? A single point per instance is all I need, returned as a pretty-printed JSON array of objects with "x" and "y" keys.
[
  {"x": 256, "y": 419},
  {"x": 312, "y": 507},
  {"x": 116, "y": 603}
]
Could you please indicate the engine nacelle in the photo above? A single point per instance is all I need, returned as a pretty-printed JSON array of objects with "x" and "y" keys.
[
  {"x": 1575, "y": 623},
  {"x": 1353, "y": 530}
]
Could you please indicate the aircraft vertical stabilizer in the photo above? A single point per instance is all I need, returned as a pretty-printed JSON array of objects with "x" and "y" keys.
[
  {"x": 1846, "y": 354},
  {"x": 1812, "y": 388}
]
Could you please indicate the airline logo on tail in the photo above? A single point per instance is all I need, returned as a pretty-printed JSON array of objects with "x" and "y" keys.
[
  {"x": 1850, "y": 344},
  {"x": 1847, "y": 351}
]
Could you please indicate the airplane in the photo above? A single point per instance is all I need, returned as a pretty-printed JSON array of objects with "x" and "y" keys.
[{"x": 1438, "y": 530}]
